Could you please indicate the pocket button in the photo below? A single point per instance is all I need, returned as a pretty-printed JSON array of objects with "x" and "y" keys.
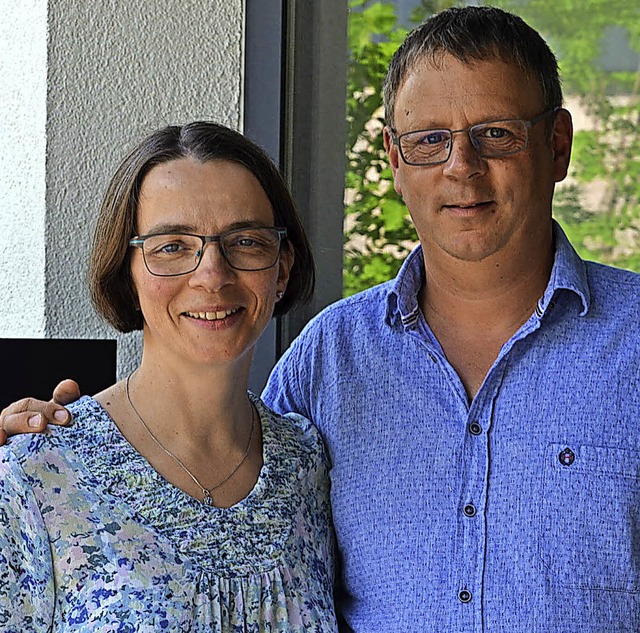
[{"x": 567, "y": 457}]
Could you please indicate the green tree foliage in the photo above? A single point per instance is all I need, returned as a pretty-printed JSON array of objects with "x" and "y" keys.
[
  {"x": 604, "y": 225},
  {"x": 376, "y": 226},
  {"x": 606, "y": 155}
]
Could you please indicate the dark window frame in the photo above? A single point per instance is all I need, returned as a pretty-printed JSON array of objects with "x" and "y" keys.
[{"x": 294, "y": 106}]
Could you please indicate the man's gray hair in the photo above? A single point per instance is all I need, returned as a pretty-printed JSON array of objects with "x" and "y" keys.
[{"x": 474, "y": 34}]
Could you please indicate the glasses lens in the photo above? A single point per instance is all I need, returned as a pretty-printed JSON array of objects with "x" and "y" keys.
[
  {"x": 252, "y": 248},
  {"x": 425, "y": 147},
  {"x": 499, "y": 138},
  {"x": 171, "y": 253}
]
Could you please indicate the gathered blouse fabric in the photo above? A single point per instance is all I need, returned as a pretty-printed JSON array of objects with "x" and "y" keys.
[{"x": 92, "y": 538}]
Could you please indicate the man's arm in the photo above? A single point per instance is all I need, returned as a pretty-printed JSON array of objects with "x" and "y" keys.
[
  {"x": 282, "y": 392},
  {"x": 32, "y": 416}
]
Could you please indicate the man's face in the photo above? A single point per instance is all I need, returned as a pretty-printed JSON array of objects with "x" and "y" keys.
[{"x": 472, "y": 208}]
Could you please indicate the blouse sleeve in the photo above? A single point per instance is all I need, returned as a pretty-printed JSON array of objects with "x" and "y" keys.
[{"x": 26, "y": 571}]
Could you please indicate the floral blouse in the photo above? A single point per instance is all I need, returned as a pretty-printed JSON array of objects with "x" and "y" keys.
[{"x": 93, "y": 539}]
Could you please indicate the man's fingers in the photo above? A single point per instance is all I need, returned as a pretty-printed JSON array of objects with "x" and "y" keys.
[
  {"x": 30, "y": 416},
  {"x": 66, "y": 392}
]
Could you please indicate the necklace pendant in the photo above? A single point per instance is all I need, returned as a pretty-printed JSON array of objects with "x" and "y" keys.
[{"x": 208, "y": 499}]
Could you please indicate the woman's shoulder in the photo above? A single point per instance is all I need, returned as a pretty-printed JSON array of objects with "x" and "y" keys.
[
  {"x": 87, "y": 418},
  {"x": 292, "y": 437},
  {"x": 292, "y": 426}
]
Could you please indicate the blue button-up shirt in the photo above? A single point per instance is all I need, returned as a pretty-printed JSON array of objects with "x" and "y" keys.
[{"x": 516, "y": 513}]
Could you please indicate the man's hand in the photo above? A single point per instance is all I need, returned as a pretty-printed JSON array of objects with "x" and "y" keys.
[{"x": 32, "y": 416}]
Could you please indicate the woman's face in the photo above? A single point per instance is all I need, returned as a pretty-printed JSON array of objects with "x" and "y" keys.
[{"x": 214, "y": 314}]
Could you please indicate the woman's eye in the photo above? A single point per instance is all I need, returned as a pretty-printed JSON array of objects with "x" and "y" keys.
[
  {"x": 246, "y": 241},
  {"x": 170, "y": 248}
]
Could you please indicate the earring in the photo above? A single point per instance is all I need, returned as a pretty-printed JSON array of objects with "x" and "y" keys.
[{"x": 279, "y": 294}]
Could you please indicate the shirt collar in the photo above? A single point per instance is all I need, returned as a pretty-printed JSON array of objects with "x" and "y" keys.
[{"x": 568, "y": 273}]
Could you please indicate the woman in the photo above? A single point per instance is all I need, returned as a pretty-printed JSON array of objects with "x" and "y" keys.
[{"x": 177, "y": 501}]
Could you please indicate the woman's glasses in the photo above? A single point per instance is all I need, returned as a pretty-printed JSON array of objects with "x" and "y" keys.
[{"x": 171, "y": 254}]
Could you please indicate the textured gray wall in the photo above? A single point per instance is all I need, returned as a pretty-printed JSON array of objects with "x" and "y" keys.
[{"x": 90, "y": 78}]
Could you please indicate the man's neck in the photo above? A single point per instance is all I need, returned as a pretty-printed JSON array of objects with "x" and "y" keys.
[{"x": 473, "y": 308}]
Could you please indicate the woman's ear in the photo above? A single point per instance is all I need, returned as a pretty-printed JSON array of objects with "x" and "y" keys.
[{"x": 285, "y": 264}]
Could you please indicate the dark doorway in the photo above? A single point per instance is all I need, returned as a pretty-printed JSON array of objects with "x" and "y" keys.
[{"x": 33, "y": 367}]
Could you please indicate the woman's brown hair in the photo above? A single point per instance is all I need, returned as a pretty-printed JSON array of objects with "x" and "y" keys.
[{"x": 110, "y": 282}]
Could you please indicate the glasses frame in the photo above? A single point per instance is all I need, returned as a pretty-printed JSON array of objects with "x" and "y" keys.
[
  {"x": 395, "y": 138},
  {"x": 139, "y": 240}
]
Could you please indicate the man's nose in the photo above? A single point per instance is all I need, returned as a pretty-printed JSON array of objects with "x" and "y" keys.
[{"x": 464, "y": 159}]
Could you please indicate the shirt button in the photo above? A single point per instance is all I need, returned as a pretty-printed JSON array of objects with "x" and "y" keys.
[
  {"x": 567, "y": 457},
  {"x": 475, "y": 428},
  {"x": 470, "y": 510},
  {"x": 464, "y": 596}
]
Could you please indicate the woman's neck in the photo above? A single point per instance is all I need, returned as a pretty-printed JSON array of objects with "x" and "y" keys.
[{"x": 199, "y": 404}]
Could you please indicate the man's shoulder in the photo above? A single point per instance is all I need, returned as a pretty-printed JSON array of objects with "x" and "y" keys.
[
  {"x": 369, "y": 305},
  {"x": 613, "y": 283},
  {"x": 611, "y": 274},
  {"x": 340, "y": 334}
]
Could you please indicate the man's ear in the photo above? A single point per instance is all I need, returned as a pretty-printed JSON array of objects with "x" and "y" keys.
[
  {"x": 394, "y": 156},
  {"x": 391, "y": 148},
  {"x": 561, "y": 141}
]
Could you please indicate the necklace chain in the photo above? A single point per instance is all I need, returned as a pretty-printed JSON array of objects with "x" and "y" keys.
[{"x": 206, "y": 492}]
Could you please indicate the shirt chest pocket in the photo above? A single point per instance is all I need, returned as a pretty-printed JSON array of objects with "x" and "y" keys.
[{"x": 590, "y": 517}]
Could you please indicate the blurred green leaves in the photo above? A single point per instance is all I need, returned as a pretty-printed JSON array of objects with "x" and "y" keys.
[{"x": 376, "y": 226}]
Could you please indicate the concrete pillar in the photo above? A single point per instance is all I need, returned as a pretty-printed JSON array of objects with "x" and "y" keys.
[{"x": 83, "y": 81}]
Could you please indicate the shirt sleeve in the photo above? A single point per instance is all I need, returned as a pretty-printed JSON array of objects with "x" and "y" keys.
[
  {"x": 283, "y": 392},
  {"x": 26, "y": 572}
]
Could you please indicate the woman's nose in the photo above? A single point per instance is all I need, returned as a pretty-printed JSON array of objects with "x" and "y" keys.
[{"x": 213, "y": 270}]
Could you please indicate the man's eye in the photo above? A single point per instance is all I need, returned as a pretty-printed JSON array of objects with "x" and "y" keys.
[
  {"x": 493, "y": 132},
  {"x": 433, "y": 138}
]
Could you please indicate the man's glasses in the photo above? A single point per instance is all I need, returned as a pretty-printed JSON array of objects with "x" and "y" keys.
[
  {"x": 493, "y": 139},
  {"x": 171, "y": 254}
]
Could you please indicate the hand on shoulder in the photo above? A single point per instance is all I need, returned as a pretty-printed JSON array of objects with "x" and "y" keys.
[{"x": 30, "y": 415}]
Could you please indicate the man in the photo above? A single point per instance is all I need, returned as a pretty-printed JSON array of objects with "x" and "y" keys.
[{"x": 481, "y": 409}]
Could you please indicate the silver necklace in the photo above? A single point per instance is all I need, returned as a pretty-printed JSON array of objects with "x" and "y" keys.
[{"x": 207, "y": 499}]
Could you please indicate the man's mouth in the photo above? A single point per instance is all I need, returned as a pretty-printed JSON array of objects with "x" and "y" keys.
[
  {"x": 216, "y": 315},
  {"x": 470, "y": 205}
]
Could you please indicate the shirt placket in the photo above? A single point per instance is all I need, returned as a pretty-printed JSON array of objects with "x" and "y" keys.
[
  {"x": 470, "y": 530},
  {"x": 474, "y": 489}
]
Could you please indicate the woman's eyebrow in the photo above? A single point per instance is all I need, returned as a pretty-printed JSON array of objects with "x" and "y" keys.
[{"x": 189, "y": 228}]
